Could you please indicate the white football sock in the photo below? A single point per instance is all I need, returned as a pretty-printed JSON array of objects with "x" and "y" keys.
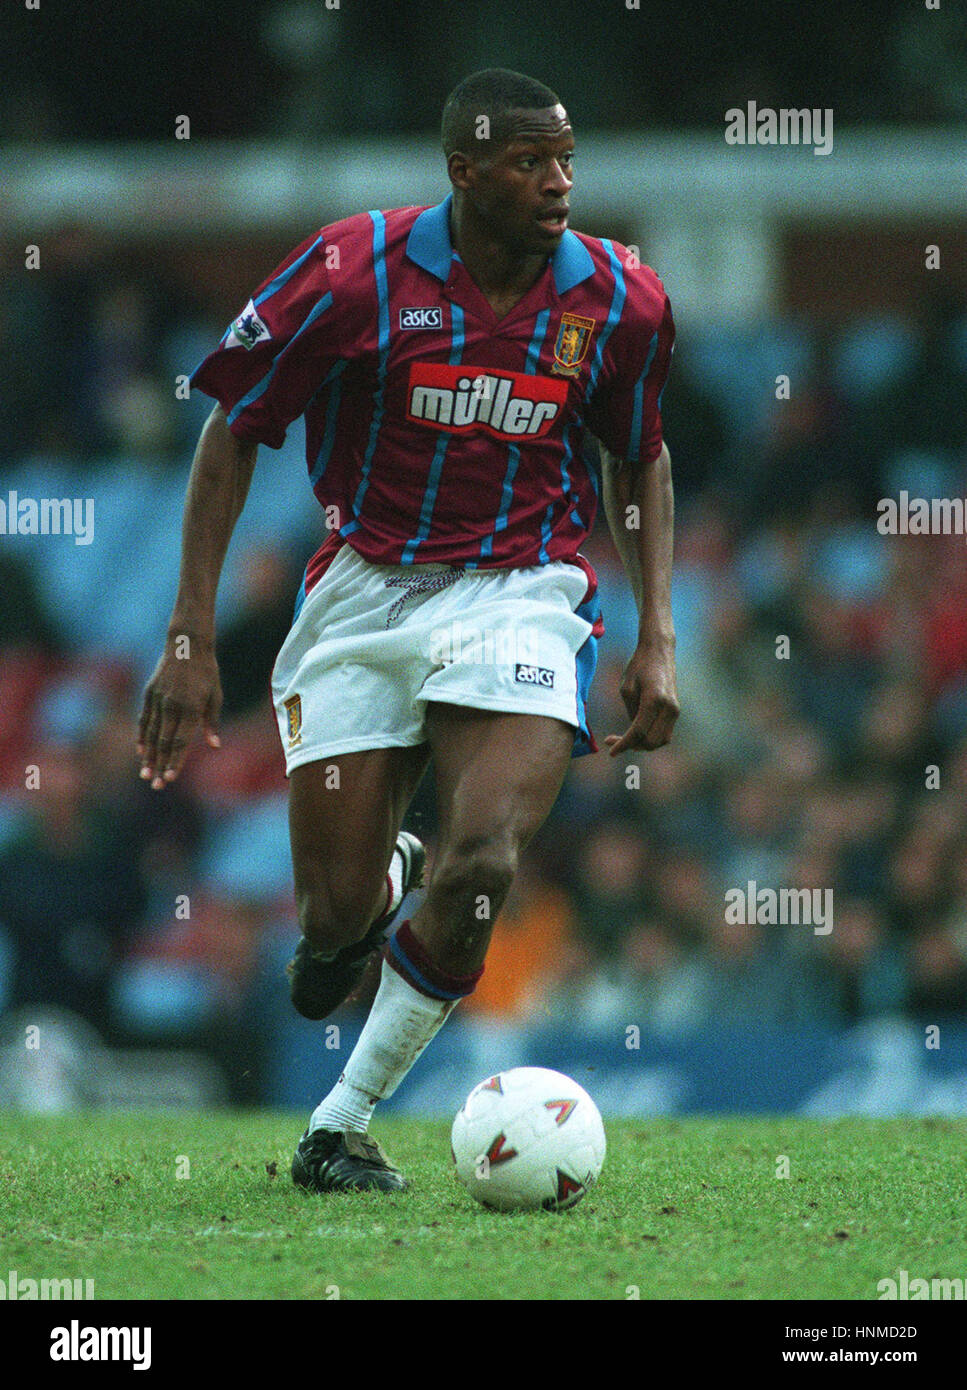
[{"x": 401, "y": 1023}]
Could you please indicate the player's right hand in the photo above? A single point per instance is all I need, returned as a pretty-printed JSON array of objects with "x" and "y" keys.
[{"x": 183, "y": 693}]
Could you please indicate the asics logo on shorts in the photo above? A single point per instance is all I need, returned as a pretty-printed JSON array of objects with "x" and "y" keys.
[
  {"x": 465, "y": 399},
  {"x": 534, "y": 675}
]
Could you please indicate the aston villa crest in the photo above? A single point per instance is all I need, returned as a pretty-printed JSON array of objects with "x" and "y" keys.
[
  {"x": 293, "y": 710},
  {"x": 573, "y": 341}
]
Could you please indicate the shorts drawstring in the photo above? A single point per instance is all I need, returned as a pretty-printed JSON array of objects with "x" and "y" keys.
[{"x": 418, "y": 584}]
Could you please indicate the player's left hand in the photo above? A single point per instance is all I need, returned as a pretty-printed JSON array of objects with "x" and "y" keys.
[{"x": 650, "y": 694}]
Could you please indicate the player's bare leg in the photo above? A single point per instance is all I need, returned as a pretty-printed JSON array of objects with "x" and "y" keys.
[
  {"x": 344, "y": 820},
  {"x": 497, "y": 778}
]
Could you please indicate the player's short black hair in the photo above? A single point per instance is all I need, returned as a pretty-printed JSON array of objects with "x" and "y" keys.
[{"x": 492, "y": 92}]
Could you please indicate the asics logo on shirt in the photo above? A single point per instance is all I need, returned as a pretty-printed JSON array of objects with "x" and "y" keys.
[
  {"x": 463, "y": 399},
  {"x": 421, "y": 318}
]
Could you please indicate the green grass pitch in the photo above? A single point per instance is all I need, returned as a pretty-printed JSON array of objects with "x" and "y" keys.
[{"x": 685, "y": 1209}]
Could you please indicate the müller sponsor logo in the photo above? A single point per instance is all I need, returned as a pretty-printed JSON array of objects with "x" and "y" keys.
[
  {"x": 47, "y": 516},
  {"x": 508, "y": 405}
]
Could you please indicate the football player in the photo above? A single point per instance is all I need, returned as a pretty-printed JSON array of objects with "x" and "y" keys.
[{"x": 457, "y": 367}]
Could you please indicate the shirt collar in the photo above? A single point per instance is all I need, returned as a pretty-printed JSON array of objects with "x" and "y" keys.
[{"x": 429, "y": 246}]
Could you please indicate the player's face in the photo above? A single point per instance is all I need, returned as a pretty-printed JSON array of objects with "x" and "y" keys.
[{"x": 522, "y": 190}]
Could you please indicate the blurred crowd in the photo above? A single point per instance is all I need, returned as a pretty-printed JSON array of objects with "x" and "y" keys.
[
  {"x": 822, "y": 742},
  {"x": 304, "y": 71},
  {"x": 112, "y": 338}
]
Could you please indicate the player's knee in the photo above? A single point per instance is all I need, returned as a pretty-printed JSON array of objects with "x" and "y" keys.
[
  {"x": 333, "y": 915},
  {"x": 476, "y": 869}
]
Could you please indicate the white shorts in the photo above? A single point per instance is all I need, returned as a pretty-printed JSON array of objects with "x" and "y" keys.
[{"x": 372, "y": 645}]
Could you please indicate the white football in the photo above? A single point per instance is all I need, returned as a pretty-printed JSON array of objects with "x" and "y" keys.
[{"x": 526, "y": 1139}]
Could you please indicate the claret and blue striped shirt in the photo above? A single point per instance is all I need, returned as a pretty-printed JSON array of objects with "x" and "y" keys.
[{"x": 441, "y": 433}]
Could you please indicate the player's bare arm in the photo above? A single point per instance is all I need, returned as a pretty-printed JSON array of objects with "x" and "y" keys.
[
  {"x": 185, "y": 690},
  {"x": 640, "y": 507}
]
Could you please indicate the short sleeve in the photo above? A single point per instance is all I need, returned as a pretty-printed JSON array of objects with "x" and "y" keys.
[
  {"x": 625, "y": 413},
  {"x": 276, "y": 354}
]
